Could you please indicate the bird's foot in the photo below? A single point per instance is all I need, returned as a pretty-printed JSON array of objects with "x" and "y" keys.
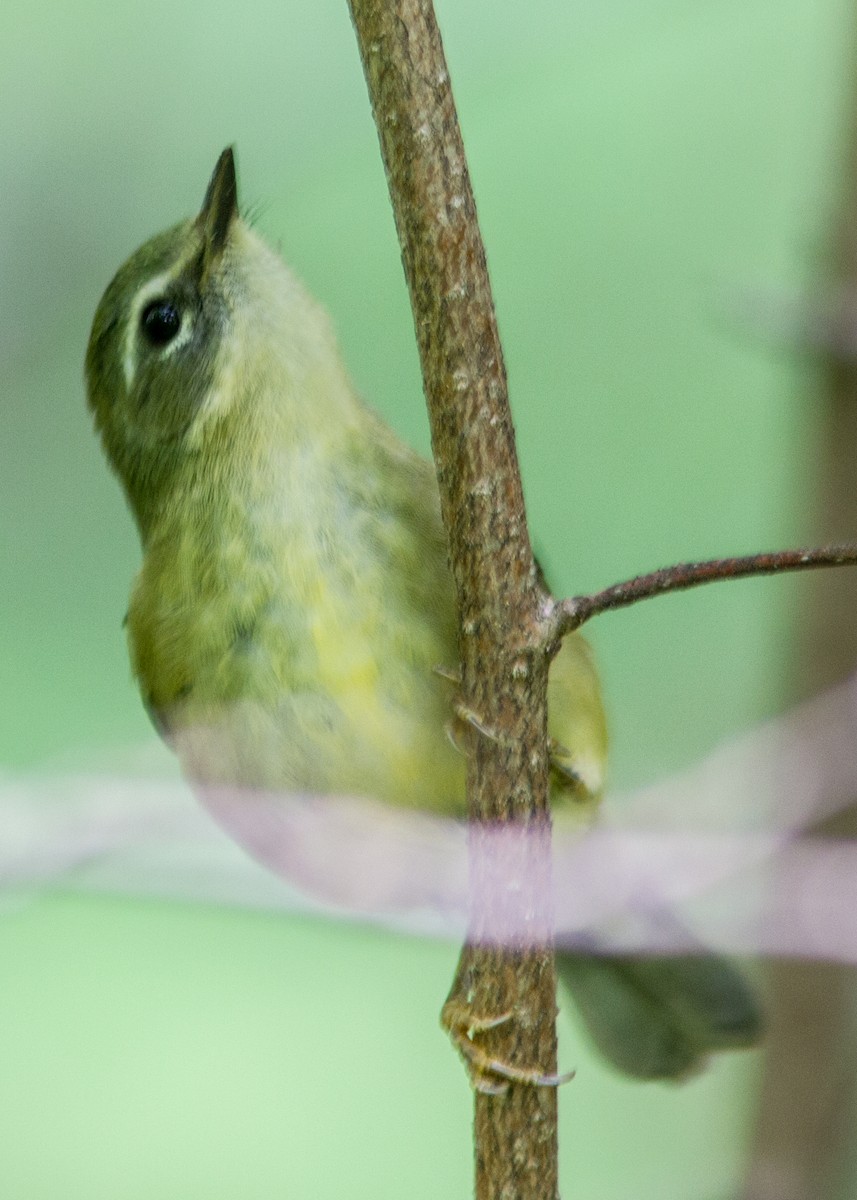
[{"x": 488, "y": 1074}]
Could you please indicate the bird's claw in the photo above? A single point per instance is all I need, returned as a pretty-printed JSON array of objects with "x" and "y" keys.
[{"x": 488, "y": 1075}]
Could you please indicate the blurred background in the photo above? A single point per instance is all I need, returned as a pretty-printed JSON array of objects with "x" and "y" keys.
[{"x": 657, "y": 180}]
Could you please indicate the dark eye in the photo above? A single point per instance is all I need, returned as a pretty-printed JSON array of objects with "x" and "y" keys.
[{"x": 160, "y": 322}]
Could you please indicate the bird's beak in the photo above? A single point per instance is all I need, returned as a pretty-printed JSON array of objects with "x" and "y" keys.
[{"x": 219, "y": 208}]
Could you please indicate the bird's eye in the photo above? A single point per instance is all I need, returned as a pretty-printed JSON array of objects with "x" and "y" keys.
[{"x": 160, "y": 322}]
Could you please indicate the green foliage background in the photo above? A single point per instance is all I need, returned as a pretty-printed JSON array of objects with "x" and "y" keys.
[{"x": 638, "y": 164}]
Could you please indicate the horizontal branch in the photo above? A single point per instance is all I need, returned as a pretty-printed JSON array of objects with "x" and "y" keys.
[{"x": 570, "y": 614}]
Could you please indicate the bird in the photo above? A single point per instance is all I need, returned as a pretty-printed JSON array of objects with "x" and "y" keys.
[{"x": 292, "y": 627}]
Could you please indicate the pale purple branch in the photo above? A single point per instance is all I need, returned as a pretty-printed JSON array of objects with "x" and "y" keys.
[{"x": 655, "y": 855}]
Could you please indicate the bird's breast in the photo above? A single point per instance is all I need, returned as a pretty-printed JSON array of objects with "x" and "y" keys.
[{"x": 292, "y": 667}]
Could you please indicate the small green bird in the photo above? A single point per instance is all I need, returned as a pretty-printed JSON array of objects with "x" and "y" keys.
[{"x": 295, "y": 596}]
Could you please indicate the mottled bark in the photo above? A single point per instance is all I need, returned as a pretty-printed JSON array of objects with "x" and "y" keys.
[{"x": 505, "y": 638}]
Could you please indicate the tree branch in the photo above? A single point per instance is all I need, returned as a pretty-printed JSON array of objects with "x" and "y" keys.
[
  {"x": 504, "y": 633},
  {"x": 572, "y": 613},
  {"x": 802, "y": 1143},
  {"x": 502, "y": 1006}
]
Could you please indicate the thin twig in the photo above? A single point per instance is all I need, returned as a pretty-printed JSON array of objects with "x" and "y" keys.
[{"x": 570, "y": 614}]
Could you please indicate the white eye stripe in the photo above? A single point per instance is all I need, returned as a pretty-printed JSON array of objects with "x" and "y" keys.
[{"x": 151, "y": 290}]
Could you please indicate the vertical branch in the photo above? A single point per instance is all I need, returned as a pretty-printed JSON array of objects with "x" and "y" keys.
[
  {"x": 503, "y": 642},
  {"x": 808, "y": 1102}
]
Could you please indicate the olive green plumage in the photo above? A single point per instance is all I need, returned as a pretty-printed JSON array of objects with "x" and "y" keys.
[{"x": 294, "y": 599}]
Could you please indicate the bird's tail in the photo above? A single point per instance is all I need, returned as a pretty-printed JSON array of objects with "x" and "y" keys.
[{"x": 659, "y": 1017}]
